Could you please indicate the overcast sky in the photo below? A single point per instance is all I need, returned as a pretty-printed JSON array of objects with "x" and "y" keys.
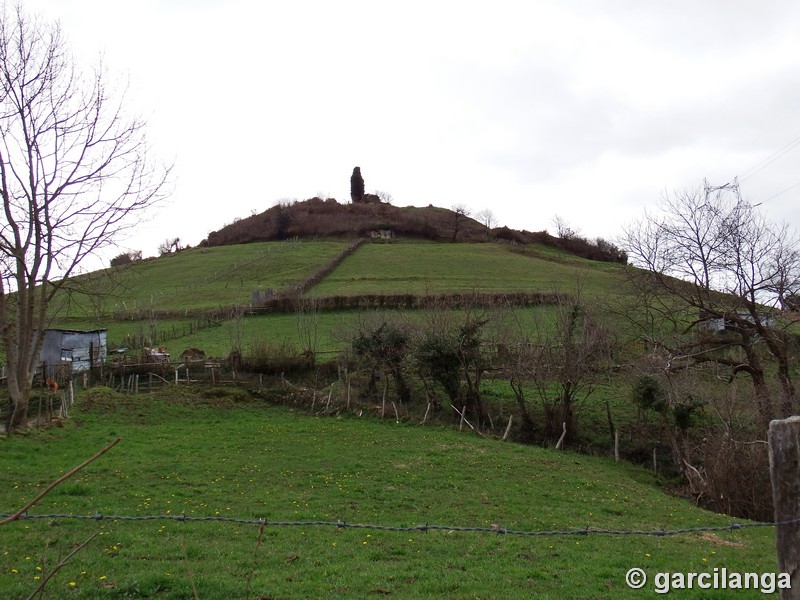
[{"x": 589, "y": 110}]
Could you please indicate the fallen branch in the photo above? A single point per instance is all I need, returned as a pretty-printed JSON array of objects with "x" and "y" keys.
[
  {"x": 61, "y": 563},
  {"x": 61, "y": 479},
  {"x": 464, "y": 419}
]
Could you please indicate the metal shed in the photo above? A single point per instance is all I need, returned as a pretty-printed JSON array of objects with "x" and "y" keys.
[{"x": 73, "y": 350}]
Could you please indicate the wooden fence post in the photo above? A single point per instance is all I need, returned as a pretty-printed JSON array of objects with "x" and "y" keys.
[{"x": 784, "y": 463}]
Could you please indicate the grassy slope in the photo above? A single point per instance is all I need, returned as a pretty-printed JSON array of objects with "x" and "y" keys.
[
  {"x": 208, "y": 277},
  {"x": 427, "y": 267},
  {"x": 398, "y": 267},
  {"x": 257, "y": 461}
]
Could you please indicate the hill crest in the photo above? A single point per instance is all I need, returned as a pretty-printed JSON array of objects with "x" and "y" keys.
[{"x": 316, "y": 217}]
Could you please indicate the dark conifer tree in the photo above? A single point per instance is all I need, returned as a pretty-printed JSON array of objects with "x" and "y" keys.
[{"x": 357, "y": 186}]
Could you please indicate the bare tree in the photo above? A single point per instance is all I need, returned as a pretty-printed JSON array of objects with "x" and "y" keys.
[
  {"x": 169, "y": 246},
  {"x": 384, "y": 196},
  {"x": 460, "y": 214},
  {"x": 719, "y": 273},
  {"x": 307, "y": 314},
  {"x": 560, "y": 357},
  {"x": 487, "y": 217},
  {"x": 563, "y": 230},
  {"x": 73, "y": 170}
]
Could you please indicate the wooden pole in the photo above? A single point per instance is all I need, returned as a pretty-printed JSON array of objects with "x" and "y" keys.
[
  {"x": 560, "y": 442},
  {"x": 784, "y": 463},
  {"x": 508, "y": 427}
]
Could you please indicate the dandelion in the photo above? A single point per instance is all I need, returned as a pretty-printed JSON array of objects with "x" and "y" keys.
[
  {"x": 102, "y": 577},
  {"x": 72, "y": 584}
]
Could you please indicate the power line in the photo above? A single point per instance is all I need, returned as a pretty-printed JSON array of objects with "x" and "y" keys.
[
  {"x": 771, "y": 158},
  {"x": 791, "y": 187}
]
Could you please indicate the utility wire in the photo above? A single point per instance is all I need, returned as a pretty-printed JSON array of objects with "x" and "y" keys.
[{"x": 771, "y": 159}]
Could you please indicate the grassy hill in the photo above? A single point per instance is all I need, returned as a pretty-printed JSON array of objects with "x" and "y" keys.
[
  {"x": 200, "y": 454},
  {"x": 424, "y": 267},
  {"x": 198, "y": 278},
  {"x": 166, "y": 298}
]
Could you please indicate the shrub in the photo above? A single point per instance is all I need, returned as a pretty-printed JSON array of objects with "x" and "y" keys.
[
  {"x": 274, "y": 359},
  {"x": 126, "y": 258},
  {"x": 731, "y": 476},
  {"x": 385, "y": 344}
]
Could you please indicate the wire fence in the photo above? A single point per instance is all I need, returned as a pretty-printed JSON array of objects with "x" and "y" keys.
[{"x": 493, "y": 529}]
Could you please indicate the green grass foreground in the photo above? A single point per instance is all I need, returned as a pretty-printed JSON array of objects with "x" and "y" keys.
[{"x": 219, "y": 453}]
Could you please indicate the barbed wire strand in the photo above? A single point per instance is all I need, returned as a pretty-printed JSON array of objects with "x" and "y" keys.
[{"x": 495, "y": 529}]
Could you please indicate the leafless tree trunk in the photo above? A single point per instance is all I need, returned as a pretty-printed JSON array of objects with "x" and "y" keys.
[
  {"x": 460, "y": 214},
  {"x": 487, "y": 217},
  {"x": 72, "y": 170}
]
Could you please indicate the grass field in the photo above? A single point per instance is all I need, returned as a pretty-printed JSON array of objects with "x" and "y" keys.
[
  {"x": 427, "y": 267},
  {"x": 220, "y": 454},
  {"x": 204, "y": 277},
  {"x": 210, "y": 278}
]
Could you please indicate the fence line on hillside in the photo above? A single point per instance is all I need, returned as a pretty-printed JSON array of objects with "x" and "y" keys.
[{"x": 494, "y": 529}]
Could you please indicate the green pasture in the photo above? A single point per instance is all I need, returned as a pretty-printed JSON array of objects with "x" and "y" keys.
[
  {"x": 217, "y": 453},
  {"x": 427, "y": 268},
  {"x": 334, "y": 329},
  {"x": 197, "y": 278}
]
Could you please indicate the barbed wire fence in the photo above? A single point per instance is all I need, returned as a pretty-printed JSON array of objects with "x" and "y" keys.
[
  {"x": 424, "y": 528},
  {"x": 784, "y": 439}
]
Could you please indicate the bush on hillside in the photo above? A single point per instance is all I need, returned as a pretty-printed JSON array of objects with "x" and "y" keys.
[{"x": 126, "y": 258}]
